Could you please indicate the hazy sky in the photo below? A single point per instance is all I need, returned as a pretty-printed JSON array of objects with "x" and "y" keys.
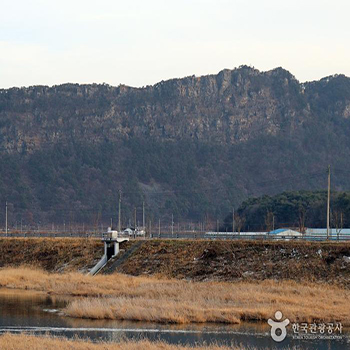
[{"x": 138, "y": 42}]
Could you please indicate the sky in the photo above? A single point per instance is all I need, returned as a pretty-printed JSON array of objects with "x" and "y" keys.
[{"x": 140, "y": 43}]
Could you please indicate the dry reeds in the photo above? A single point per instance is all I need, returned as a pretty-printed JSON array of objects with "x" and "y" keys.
[
  {"x": 173, "y": 301},
  {"x": 25, "y": 342}
]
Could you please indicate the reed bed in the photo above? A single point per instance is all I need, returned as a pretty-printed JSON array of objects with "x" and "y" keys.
[
  {"x": 25, "y": 342},
  {"x": 153, "y": 299}
]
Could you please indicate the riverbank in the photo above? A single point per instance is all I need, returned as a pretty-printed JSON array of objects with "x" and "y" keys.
[
  {"x": 231, "y": 261},
  {"x": 51, "y": 254},
  {"x": 195, "y": 260},
  {"x": 122, "y": 297},
  {"x": 25, "y": 342}
]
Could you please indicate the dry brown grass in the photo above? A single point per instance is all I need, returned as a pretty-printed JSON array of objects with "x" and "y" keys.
[
  {"x": 162, "y": 300},
  {"x": 25, "y": 342},
  {"x": 51, "y": 254}
]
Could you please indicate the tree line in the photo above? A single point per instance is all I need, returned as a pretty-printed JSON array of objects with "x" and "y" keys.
[{"x": 298, "y": 210}]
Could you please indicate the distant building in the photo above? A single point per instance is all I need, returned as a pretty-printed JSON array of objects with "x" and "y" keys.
[{"x": 285, "y": 232}]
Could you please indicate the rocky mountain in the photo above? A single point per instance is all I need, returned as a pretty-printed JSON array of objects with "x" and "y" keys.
[{"x": 193, "y": 147}]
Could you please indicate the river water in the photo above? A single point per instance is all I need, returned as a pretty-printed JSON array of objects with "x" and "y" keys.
[{"x": 36, "y": 313}]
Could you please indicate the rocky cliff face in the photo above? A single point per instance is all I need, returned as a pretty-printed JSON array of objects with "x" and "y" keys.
[
  {"x": 238, "y": 126},
  {"x": 227, "y": 108}
]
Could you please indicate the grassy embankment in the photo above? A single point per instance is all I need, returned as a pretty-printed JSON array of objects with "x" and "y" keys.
[
  {"x": 51, "y": 254},
  {"x": 324, "y": 262},
  {"x": 196, "y": 260},
  {"x": 25, "y": 342},
  {"x": 176, "y": 301}
]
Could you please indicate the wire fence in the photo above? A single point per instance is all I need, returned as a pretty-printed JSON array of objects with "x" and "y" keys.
[{"x": 190, "y": 235}]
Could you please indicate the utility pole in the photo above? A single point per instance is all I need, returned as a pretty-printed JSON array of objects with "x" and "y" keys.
[
  {"x": 159, "y": 228},
  {"x": 273, "y": 222},
  {"x": 135, "y": 223},
  {"x": 341, "y": 224},
  {"x": 6, "y": 229},
  {"x": 328, "y": 199},
  {"x": 233, "y": 220},
  {"x": 143, "y": 217},
  {"x": 172, "y": 225},
  {"x": 120, "y": 212}
]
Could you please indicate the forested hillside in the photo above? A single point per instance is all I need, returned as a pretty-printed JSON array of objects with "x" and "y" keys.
[
  {"x": 299, "y": 210},
  {"x": 193, "y": 147}
]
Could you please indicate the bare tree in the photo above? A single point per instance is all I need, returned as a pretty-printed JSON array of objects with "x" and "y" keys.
[
  {"x": 269, "y": 221},
  {"x": 337, "y": 219},
  {"x": 239, "y": 222},
  {"x": 302, "y": 218}
]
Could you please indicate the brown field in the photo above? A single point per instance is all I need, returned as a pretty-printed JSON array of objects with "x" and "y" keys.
[
  {"x": 25, "y": 342},
  {"x": 174, "y": 301}
]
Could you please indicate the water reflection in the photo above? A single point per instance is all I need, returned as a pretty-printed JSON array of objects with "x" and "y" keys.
[{"x": 24, "y": 311}]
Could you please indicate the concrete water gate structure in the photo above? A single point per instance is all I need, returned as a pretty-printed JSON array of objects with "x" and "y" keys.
[{"x": 111, "y": 240}]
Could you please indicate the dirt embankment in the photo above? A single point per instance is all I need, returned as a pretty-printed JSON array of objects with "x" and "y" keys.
[
  {"x": 242, "y": 260},
  {"x": 51, "y": 254},
  {"x": 192, "y": 260}
]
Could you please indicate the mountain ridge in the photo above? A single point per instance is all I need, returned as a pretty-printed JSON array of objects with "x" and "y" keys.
[
  {"x": 280, "y": 68},
  {"x": 72, "y": 147}
]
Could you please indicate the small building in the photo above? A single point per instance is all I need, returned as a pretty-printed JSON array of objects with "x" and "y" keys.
[
  {"x": 128, "y": 232},
  {"x": 133, "y": 232},
  {"x": 285, "y": 232}
]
